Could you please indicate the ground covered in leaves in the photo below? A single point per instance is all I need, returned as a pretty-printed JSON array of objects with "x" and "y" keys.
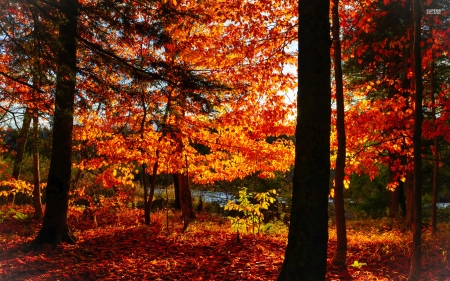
[{"x": 114, "y": 245}]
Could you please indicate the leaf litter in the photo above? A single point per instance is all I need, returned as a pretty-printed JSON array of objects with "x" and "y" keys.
[{"x": 116, "y": 246}]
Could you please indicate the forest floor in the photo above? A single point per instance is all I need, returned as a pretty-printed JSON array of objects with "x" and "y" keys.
[{"x": 117, "y": 246}]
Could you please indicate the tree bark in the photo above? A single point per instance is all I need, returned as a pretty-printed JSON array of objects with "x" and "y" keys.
[
  {"x": 416, "y": 257},
  {"x": 409, "y": 197},
  {"x": 55, "y": 228},
  {"x": 176, "y": 186},
  {"x": 306, "y": 252},
  {"x": 36, "y": 174},
  {"x": 22, "y": 142},
  {"x": 147, "y": 199},
  {"x": 394, "y": 197},
  {"x": 435, "y": 152},
  {"x": 340, "y": 255},
  {"x": 185, "y": 197}
]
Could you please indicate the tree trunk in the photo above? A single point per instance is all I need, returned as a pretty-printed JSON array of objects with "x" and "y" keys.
[
  {"x": 176, "y": 187},
  {"x": 21, "y": 143},
  {"x": 409, "y": 197},
  {"x": 401, "y": 198},
  {"x": 306, "y": 252},
  {"x": 340, "y": 255},
  {"x": 416, "y": 257},
  {"x": 147, "y": 199},
  {"x": 394, "y": 197},
  {"x": 185, "y": 197},
  {"x": 55, "y": 227},
  {"x": 435, "y": 152},
  {"x": 36, "y": 176}
]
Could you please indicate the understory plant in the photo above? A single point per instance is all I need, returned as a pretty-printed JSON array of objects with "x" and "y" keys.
[{"x": 249, "y": 207}]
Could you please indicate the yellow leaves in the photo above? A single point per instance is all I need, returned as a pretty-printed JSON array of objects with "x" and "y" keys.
[
  {"x": 17, "y": 186},
  {"x": 171, "y": 2},
  {"x": 347, "y": 182}
]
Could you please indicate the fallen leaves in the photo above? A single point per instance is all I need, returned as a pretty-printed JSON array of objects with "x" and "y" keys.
[{"x": 206, "y": 251}]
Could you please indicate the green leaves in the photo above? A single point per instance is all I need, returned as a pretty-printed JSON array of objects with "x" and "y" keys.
[{"x": 252, "y": 215}]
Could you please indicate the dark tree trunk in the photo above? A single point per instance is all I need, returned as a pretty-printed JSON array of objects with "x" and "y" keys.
[
  {"x": 176, "y": 187},
  {"x": 401, "y": 198},
  {"x": 306, "y": 252},
  {"x": 394, "y": 197},
  {"x": 435, "y": 152},
  {"x": 147, "y": 199},
  {"x": 409, "y": 197},
  {"x": 416, "y": 257},
  {"x": 185, "y": 197},
  {"x": 21, "y": 143},
  {"x": 36, "y": 176},
  {"x": 55, "y": 227},
  {"x": 394, "y": 209},
  {"x": 153, "y": 181},
  {"x": 340, "y": 255}
]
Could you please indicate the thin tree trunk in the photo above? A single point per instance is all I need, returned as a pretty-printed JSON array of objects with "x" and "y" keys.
[
  {"x": 146, "y": 195},
  {"x": 176, "y": 186},
  {"x": 435, "y": 153},
  {"x": 416, "y": 257},
  {"x": 306, "y": 252},
  {"x": 401, "y": 198},
  {"x": 340, "y": 255},
  {"x": 409, "y": 197},
  {"x": 55, "y": 228},
  {"x": 36, "y": 176},
  {"x": 152, "y": 184},
  {"x": 22, "y": 142}
]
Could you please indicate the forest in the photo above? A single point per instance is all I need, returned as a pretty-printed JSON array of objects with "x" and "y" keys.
[{"x": 225, "y": 140}]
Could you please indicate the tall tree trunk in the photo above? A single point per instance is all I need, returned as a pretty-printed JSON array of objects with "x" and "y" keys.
[
  {"x": 176, "y": 186},
  {"x": 152, "y": 184},
  {"x": 147, "y": 198},
  {"x": 416, "y": 257},
  {"x": 21, "y": 143},
  {"x": 409, "y": 197},
  {"x": 55, "y": 227},
  {"x": 340, "y": 255},
  {"x": 187, "y": 210},
  {"x": 401, "y": 198},
  {"x": 435, "y": 153},
  {"x": 36, "y": 176},
  {"x": 306, "y": 252},
  {"x": 394, "y": 197}
]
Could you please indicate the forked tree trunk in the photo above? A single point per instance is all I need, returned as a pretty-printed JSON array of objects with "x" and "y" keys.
[
  {"x": 416, "y": 257},
  {"x": 306, "y": 252},
  {"x": 340, "y": 255},
  {"x": 36, "y": 176},
  {"x": 55, "y": 228}
]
